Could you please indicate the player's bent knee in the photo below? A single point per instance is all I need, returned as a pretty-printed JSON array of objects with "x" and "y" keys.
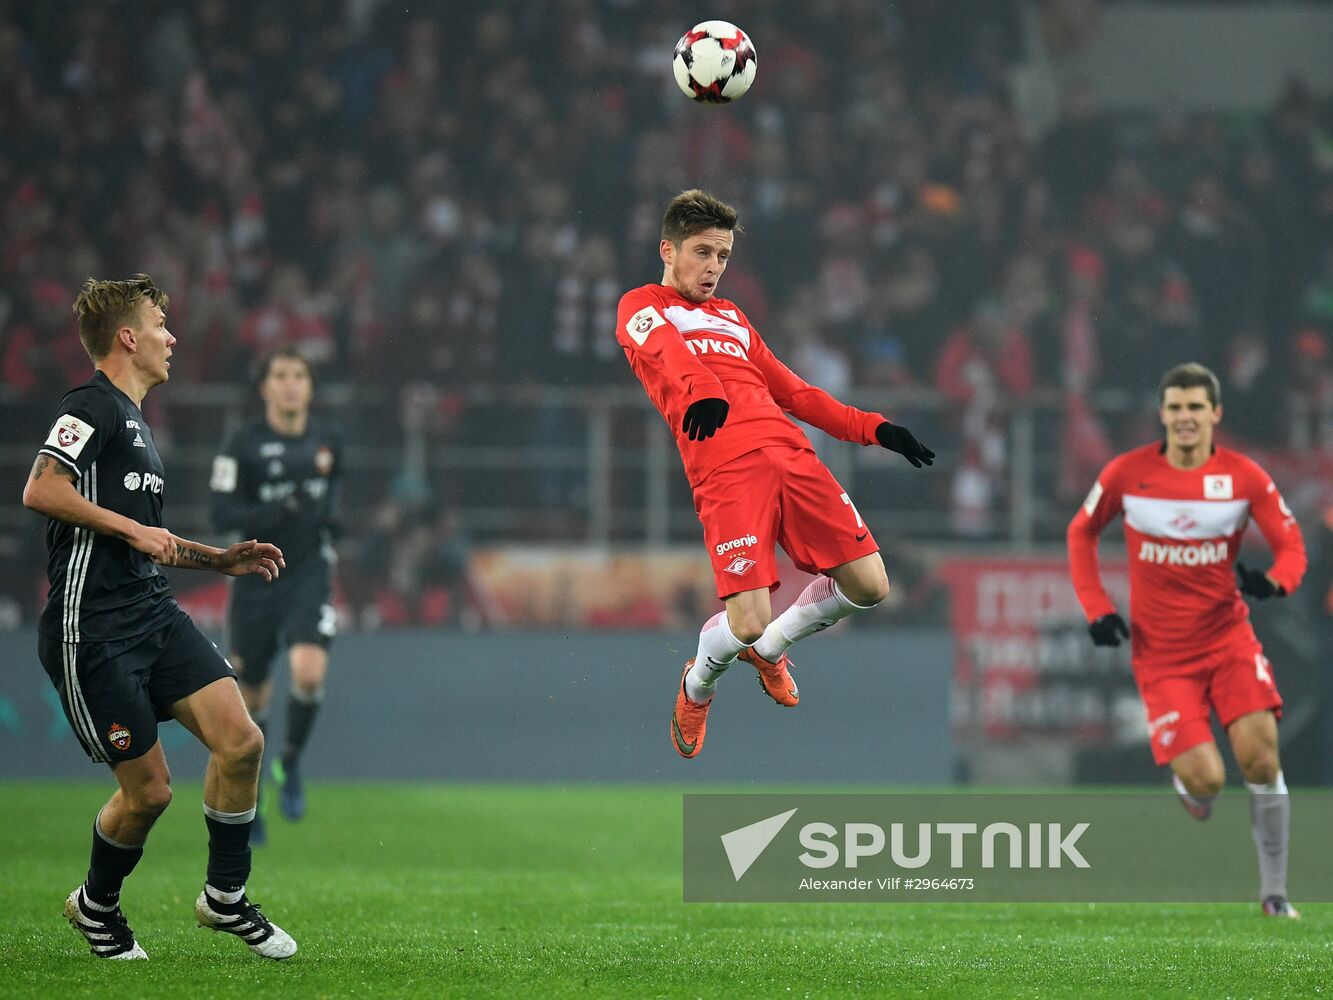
[
  {"x": 749, "y": 630},
  {"x": 1204, "y": 781},
  {"x": 1205, "y": 787},
  {"x": 1261, "y": 768},
  {"x": 868, "y": 589},
  {"x": 1202, "y": 776},
  {"x": 244, "y": 748},
  {"x": 252, "y": 745},
  {"x": 151, "y": 800},
  {"x": 875, "y": 594}
]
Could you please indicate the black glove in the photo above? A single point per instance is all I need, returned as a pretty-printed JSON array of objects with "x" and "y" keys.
[
  {"x": 704, "y": 417},
  {"x": 900, "y": 439},
  {"x": 1108, "y": 630},
  {"x": 1255, "y": 583}
]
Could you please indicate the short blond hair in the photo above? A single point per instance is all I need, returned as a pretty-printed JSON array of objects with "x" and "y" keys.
[{"x": 104, "y": 306}]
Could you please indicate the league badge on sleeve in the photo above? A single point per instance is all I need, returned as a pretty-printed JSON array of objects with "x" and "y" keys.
[
  {"x": 1093, "y": 498},
  {"x": 642, "y": 323},
  {"x": 223, "y": 479},
  {"x": 70, "y": 434}
]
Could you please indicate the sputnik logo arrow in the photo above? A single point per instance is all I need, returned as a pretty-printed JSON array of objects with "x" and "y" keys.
[{"x": 744, "y": 846}]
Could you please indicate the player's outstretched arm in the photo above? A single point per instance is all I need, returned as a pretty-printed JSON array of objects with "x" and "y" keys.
[
  {"x": 50, "y": 491},
  {"x": 239, "y": 559},
  {"x": 896, "y": 437}
]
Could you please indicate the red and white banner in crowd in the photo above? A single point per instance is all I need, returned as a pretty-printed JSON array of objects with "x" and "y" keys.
[{"x": 1023, "y": 663}]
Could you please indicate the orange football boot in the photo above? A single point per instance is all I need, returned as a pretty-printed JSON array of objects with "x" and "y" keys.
[
  {"x": 773, "y": 677},
  {"x": 689, "y": 720}
]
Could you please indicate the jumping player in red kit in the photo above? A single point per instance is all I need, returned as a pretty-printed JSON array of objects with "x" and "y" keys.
[
  {"x": 1186, "y": 504},
  {"x": 755, "y": 477}
]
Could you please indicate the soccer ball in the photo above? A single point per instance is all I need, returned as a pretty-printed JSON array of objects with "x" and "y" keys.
[{"x": 715, "y": 62}]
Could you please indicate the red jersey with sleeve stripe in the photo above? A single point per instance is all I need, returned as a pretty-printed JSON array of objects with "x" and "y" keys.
[
  {"x": 684, "y": 351},
  {"x": 1182, "y": 530}
]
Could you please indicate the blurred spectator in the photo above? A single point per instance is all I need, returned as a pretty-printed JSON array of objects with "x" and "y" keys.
[
  {"x": 1311, "y": 399},
  {"x": 290, "y": 315},
  {"x": 39, "y": 358},
  {"x": 388, "y": 249},
  {"x": 1152, "y": 316},
  {"x": 814, "y": 356},
  {"x": 1076, "y": 155},
  {"x": 1221, "y": 256},
  {"x": 982, "y": 365},
  {"x": 1084, "y": 444}
]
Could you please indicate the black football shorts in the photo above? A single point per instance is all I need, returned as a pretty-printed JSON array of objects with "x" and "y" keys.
[
  {"x": 115, "y": 693},
  {"x": 261, "y": 620}
]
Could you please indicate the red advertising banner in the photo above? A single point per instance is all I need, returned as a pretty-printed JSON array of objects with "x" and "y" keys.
[{"x": 1023, "y": 662}]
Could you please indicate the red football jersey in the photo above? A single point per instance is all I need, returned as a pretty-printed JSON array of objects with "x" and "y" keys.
[
  {"x": 1182, "y": 531},
  {"x": 683, "y": 351}
]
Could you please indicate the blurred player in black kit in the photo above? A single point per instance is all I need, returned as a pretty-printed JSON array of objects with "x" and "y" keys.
[{"x": 278, "y": 474}]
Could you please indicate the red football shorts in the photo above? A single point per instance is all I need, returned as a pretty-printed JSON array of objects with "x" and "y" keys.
[
  {"x": 779, "y": 495},
  {"x": 1234, "y": 680}
]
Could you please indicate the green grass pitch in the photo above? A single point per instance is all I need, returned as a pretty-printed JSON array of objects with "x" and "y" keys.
[{"x": 476, "y": 891}]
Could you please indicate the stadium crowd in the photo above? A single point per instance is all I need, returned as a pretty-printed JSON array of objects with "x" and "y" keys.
[{"x": 459, "y": 196}]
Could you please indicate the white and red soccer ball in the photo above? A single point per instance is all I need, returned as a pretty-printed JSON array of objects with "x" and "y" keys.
[{"x": 714, "y": 62}]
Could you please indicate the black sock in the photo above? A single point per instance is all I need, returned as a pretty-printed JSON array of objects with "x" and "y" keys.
[
  {"x": 111, "y": 863},
  {"x": 228, "y": 848},
  {"x": 301, "y": 712}
]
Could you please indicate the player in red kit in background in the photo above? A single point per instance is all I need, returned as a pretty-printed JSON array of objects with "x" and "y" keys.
[
  {"x": 755, "y": 477},
  {"x": 1186, "y": 504}
]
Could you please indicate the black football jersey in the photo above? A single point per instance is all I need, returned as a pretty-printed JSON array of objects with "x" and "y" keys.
[
  {"x": 280, "y": 489},
  {"x": 102, "y": 588}
]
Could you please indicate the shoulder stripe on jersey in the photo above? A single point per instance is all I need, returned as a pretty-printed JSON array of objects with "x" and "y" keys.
[
  {"x": 57, "y": 454},
  {"x": 694, "y": 320},
  {"x": 1185, "y": 519},
  {"x": 76, "y": 575}
]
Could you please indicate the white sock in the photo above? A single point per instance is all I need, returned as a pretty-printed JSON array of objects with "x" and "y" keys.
[
  {"x": 718, "y": 649},
  {"x": 820, "y": 605},
  {"x": 307, "y": 697},
  {"x": 1270, "y": 824},
  {"x": 229, "y": 898},
  {"x": 92, "y": 904}
]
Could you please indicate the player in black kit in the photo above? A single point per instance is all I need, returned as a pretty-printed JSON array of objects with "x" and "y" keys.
[
  {"x": 118, "y": 648},
  {"x": 277, "y": 477}
]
